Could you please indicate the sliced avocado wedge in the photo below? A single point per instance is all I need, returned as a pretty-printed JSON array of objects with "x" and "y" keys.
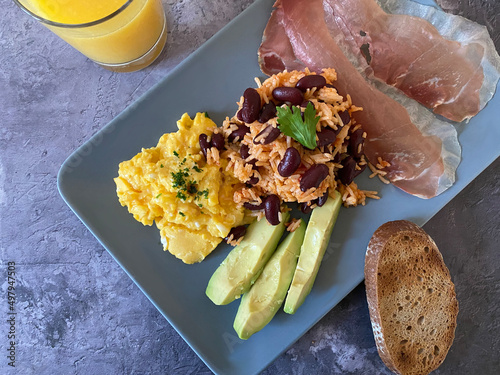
[
  {"x": 318, "y": 232},
  {"x": 245, "y": 262},
  {"x": 259, "y": 305}
]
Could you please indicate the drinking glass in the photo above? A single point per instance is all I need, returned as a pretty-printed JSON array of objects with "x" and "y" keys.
[{"x": 129, "y": 36}]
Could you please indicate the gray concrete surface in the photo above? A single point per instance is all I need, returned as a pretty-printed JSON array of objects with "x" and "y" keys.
[{"x": 79, "y": 313}]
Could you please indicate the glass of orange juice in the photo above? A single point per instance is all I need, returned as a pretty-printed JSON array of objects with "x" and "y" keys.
[{"x": 119, "y": 35}]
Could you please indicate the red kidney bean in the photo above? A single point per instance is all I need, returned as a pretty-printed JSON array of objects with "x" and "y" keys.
[
  {"x": 322, "y": 200},
  {"x": 217, "y": 141},
  {"x": 254, "y": 207},
  {"x": 305, "y": 208},
  {"x": 331, "y": 86},
  {"x": 305, "y": 102},
  {"x": 288, "y": 94},
  {"x": 237, "y": 233},
  {"x": 245, "y": 153},
  {"x": 313, "y": 176},
  {"x": 267, "y": 113},
  {"x": 240, "y": 133},
  {"x": 326, "y": 137},
  {"x": 290, "y": 162},
  {"x": 311, "y": 81},
  {"x": 344, "y": 116},
  {"x": 204, "y": 143},
  {"x": 349, "y": 171},
  {"x": 251, "y": 105},
  {"x": 272, "y": 209},
  {"x": 355, "y": 140},
  {"x": 253, "y": 180},
  {"x": 266, "y": 136}
]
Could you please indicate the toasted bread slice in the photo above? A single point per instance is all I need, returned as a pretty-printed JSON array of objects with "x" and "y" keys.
[{"x": 411, "y": 298}]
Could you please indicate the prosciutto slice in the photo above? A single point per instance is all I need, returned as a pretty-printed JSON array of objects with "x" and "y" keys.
[
  {"x": 276, "y": 53},
  {"x": 409, "y": 53},
  {"x": 417, "y": 160}
]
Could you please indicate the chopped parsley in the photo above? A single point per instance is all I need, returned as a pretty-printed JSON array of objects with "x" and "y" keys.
[
  {"x": 203, "y": 193},
  {"x": 291, "y": 124},
  {"x": 176, "y": 153},
  {"x": 184, "y": 185},
  {"x": 161, "y": 165},
  {"x": 179, "y": 181},
  {"x": 158, "y": 196},
  {"x": 206, "y": 115},
  {"x": 181, "y": 213},
  {"x": 200, "y": 205}
]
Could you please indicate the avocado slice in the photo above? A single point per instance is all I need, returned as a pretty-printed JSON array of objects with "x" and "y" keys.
[
  {"x": 318, "y": 232},
  {"x": 259, "y": 305},
  {"x": 245, "y": 262}
]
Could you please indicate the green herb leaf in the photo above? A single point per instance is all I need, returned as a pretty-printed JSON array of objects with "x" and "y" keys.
[
  {"x": 158, "y": 196},
  {"x": 197, "y": 169},
  {"x": 181, "y": 213},
  {"x": 291, "y": 124},
  {"x": 176, "y": 153},
  {"x": 206, "y": 115}
]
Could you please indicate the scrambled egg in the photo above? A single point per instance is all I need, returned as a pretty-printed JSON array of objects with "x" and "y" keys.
[{"x": 171, "y": 184}]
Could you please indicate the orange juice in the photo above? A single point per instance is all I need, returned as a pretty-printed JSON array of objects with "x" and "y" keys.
[{"x": 117, "y": 34}]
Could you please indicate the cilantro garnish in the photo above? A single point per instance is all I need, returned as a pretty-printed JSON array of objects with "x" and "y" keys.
[
  {"x": 197, "y": 169},
  {"x": 161, "y": 165},
  {"x": 176, "y": 153},
  {"x": 291, "y": 124},
  {"x": 181, "y": 195},
  {"x": 181, "y": 213}
]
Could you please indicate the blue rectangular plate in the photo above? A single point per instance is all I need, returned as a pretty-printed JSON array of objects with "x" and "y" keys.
[{"x": 212, "y": 79}]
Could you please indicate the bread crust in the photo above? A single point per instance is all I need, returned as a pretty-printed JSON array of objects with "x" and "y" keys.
[{"x": 411, "y": 298}]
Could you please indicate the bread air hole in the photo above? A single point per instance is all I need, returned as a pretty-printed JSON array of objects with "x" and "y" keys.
[
  {"x": 433, "y": 332},
  {"x": 420, "y": 351},
  {"x": 426, "y": 249},
  {"x": 420, "y": 278},
  {"x": 403, "y": 342},
  {"x": 420, "y": 321},
  {"x": 430, "y": 290},
  {"x": 436, "y": 350}
]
